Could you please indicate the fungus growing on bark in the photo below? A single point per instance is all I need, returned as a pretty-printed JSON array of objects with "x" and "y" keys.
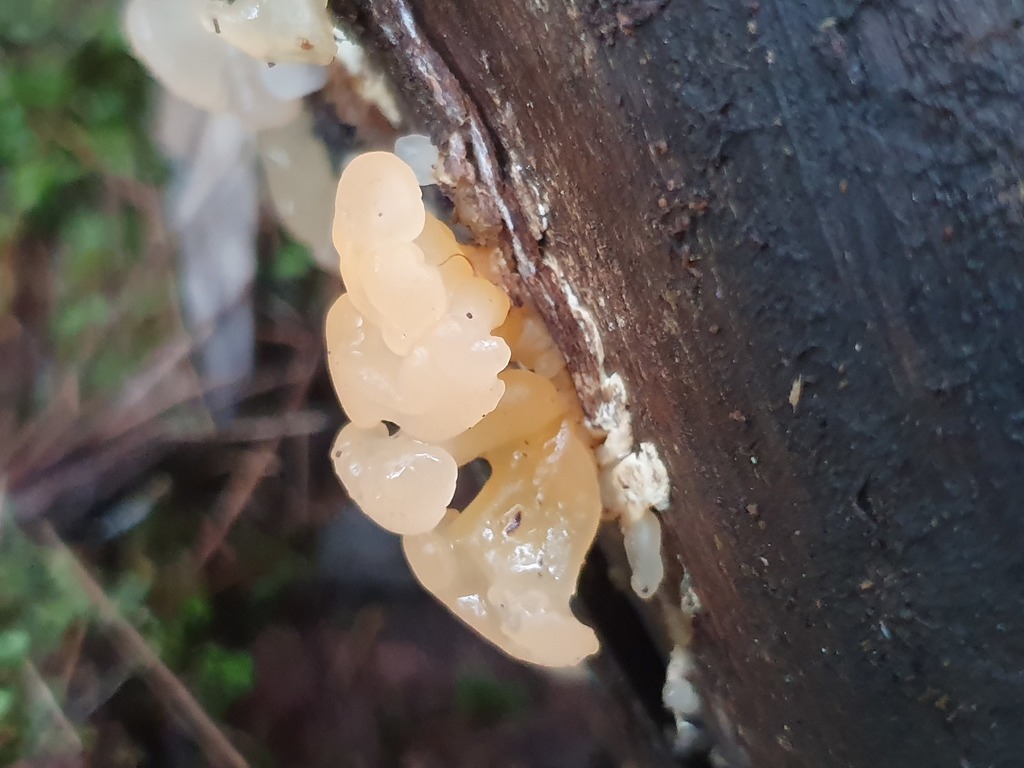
[
  {"x": 417, "y": 342},
  {"x": 180, "y": 44},
  {"x": 423, "y": 341}
]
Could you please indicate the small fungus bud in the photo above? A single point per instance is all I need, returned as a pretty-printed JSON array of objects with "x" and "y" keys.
[
  {"x": 642, "y": 540},
  {"x": 421, "y": 155}
]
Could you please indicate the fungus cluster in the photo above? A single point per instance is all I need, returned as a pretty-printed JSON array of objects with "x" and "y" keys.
[
  {"x": 433, "y": 366},
  {"x": 421, "y": 343},
  {"x": 249, "y": 63},
  {"x": 214, "y": 53}
]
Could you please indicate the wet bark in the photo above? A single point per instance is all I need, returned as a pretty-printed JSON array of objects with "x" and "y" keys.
[{"x": 799, "y": 227}]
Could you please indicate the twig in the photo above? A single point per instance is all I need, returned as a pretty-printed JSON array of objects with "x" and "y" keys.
[
  {"x": 253, "y": 468},
  {"x": 164, "y": 684},
  {"x": 257, "y": 429},
  {"x": 35, "y": 684},
  {"x": 71, "y": 651}
]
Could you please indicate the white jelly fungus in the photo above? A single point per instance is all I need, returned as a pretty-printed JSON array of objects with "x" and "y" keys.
[
  {"x": 298, "y": 31},
  {"x": 251, "y": 59},
  {"x": 183, "y": 46},
  {"x": 420, "y": 153}
]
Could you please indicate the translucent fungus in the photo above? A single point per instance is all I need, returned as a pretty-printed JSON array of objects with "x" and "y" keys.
[
  {"x": 379, "y": 201},
  {"x": 529, "y": 406},
  {"x": 276, "y": 30},
  {"x": 402, "y": 484},
  {"x": 407, "y": 294},
  {"x": 508, "y": 564},
  {"x": 214, "y": 75},
  {"x": 418, "y": 342},
  {"x": 301, "y": 184},
  {"x": 411, "y": 342},
  {"x": 642, "y": 541},
  {"x": 456, "y": 372},
  {"x": 441, "y": 388},
  {"x": 364, "y": 371},
  {"x": 527, "y": 335},
  {"x": 438, "y": 242},
  {"x": 633, "y": 486},
  {"x": 421, "y": 155}
]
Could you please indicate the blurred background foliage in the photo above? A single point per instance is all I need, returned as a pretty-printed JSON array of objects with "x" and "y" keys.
[
  {"x": 178, "y": 590},
  {"x": 73, "y": 110}
]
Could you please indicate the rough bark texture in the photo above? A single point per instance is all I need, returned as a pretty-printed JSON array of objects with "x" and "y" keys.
[{"x": 799, "y": 227}]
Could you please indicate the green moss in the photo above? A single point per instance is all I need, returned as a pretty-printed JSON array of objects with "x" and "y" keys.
[
  {"x": 485, "y": 699},
  {"x": 223, "y": 676},
  {"x": 14, "y": 646},
  {"x": 292, "y": 261}
]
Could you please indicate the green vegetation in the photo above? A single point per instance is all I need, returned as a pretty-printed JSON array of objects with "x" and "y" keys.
[
  {"x": 43, "y": 603},
  {"x": 79, "y": 181},
  {"x": 72, "y": 105},
  {"x": 74, "y": 153}
]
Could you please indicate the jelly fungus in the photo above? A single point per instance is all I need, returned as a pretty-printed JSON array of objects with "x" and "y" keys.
[{"x": 422, "y": 341}]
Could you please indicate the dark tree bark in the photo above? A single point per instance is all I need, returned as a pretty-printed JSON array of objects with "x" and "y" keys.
[{"x": 799, "y": 226}]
